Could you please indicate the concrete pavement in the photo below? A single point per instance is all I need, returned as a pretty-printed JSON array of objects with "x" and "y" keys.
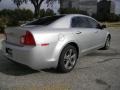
[{"x": 99, "y": 70}]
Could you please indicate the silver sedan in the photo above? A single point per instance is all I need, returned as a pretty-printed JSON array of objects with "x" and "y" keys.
[{"x": 55, "y": 42}]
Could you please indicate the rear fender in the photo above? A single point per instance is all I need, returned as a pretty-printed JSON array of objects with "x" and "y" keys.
[{"x": 59, "y": 47}]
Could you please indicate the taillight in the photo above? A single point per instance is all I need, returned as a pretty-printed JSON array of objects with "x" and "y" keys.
[{"x": 27, "y": 39}]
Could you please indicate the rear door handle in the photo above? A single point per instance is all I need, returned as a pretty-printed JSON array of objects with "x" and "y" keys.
[
  {"x": 96, "y": 31},
  {"x": 78, "y": 32}
]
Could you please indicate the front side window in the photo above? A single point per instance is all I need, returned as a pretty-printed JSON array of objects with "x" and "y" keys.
[
  {"x": 93, "y": 23},
  {"x": 79, "y": 22}
]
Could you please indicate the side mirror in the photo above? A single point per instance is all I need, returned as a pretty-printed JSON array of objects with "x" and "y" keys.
[{"x": 103, "y": 26}]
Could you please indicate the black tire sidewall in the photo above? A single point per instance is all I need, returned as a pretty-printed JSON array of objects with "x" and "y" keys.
[
  {"x": 105, "y": 46},
  {"x": 108, "y": 39},
  {"x": 61, "y": 67}
]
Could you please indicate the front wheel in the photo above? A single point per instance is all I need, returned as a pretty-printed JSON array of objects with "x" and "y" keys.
[
  {"x": 68, "y": 59},
  {"x": 107, "y": 43}
]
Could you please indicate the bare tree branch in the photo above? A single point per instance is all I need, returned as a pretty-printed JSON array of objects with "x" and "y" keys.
[{"x": 19, "y": 2}]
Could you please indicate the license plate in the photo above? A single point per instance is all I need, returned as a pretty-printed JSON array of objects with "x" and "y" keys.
[{"x": 9, "y": 51}]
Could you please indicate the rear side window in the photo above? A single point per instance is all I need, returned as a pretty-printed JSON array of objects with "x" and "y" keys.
[
  {"x": 78, "y": 22},
  {"x": 45, "y": 20}
]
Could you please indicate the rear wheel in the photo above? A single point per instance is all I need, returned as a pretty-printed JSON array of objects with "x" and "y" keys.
[{"x": 68, "y": 59}]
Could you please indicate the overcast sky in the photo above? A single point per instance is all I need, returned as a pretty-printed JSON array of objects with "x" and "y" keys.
[{"x": 10, "y": 5}]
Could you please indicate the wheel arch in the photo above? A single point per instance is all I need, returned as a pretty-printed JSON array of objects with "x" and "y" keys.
[
  {"x": 109, "y": 35},
  {"x": 67, "y": 44},
  {"x": 60, "y": 46},
  {"x": 73, "y": 44},
  {"x": 76, "y": 46}
]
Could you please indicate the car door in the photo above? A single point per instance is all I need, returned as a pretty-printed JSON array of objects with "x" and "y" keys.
[
  {"x": 84, "y": 35},
  {"x": 99, "y": 33}
]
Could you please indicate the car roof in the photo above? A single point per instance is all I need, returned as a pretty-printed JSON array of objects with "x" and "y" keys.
[
  {"x": 71, "y": 15},
  {"x": 68, "y": 15}
]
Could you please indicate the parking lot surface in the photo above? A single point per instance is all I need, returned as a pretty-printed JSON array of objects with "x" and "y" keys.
[{"x": 99, "y": 70}]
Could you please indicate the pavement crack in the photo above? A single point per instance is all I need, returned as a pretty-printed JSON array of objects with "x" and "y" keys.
[
  {"x": 84, "y": 67},
  {"x": 102, "y": 82},
  {"x": 99, "y": 81},
  {"x": 116, "y": 52},
  {"x": 106, "y": 60}
]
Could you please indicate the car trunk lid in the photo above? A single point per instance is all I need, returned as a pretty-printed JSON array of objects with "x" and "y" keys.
[{"x": 14, "y": 34}]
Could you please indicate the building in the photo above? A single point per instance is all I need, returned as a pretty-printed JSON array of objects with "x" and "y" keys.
[
  {"x": 112, "y": 7},
  {"x": 85, "y": 5},
  {"x": 91, "y": 6},
  {"x": 104, "y": 6}
]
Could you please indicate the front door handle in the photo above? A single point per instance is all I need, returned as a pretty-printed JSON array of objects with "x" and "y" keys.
[
  {"x": 78, "y": 32},
  {"x": 96, "y": 31}
]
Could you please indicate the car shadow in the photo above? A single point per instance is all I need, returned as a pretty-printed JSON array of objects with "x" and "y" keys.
[
  {"x": 14, "y": 69},
  {"x": 51, "y": 70},
  {"x": 110, "y": 52}
]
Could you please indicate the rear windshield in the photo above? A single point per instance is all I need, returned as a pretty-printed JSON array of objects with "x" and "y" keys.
[{"x": 45, "y": 20}]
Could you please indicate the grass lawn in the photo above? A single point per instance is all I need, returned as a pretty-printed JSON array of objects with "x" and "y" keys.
[{"x": 113, "y": 24}]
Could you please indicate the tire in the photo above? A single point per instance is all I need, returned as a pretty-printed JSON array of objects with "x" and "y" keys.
[
  {"x": 68, "y": 59},
  {"x": 107, "y": 43}
]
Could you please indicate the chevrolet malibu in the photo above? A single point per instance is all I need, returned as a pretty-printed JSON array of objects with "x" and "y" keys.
[{"x": 55, "y": 42}]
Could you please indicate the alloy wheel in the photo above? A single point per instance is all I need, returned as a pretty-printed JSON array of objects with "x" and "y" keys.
[{"x": 70, "y": 59}]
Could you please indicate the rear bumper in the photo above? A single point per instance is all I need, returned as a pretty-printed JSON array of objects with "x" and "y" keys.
[{"x": 35, "y": 57}]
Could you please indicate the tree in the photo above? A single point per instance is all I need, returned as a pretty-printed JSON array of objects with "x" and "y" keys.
[
  {"x": 60, "y": 2},
  {"x": 36, "y": 3},
  {"x": 51, "y": 2},
  {"x": 42, "y": 13}
]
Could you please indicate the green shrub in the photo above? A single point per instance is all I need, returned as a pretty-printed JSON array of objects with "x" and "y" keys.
[
  {"x": 42, "y": 13},
  {"x": 49, "y": 12},
  {"x": 14, "y": 16},
  {"x": 23, "y": 14},
  {"x": 3, "y": 22}
]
